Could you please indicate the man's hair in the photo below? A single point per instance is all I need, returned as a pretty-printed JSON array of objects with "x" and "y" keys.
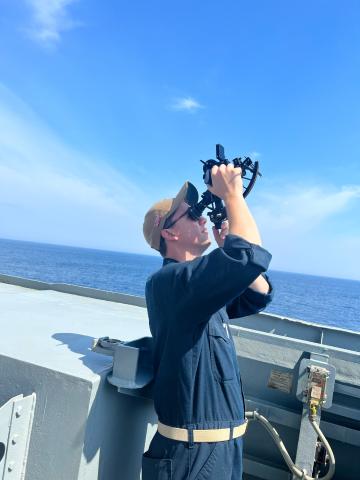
[{"x": 163, "y": 246}]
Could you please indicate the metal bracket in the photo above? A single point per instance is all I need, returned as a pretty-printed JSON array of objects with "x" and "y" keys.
[
  {"x": 16, "y": 419},
  {"x": 133, "y": 366},
  {"x": 315, "y": 386}
]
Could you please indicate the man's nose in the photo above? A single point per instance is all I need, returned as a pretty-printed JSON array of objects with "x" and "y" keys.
[{"x": 202, "y": 220}]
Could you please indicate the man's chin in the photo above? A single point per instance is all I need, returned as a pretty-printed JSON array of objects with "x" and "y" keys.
[{"x": 206, "y": 244}]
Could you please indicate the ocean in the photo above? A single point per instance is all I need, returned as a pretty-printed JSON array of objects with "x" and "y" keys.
[{"x": 328, "y": 301}]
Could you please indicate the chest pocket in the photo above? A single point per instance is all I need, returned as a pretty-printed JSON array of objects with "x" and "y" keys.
[{"x": 221, "y": 350}]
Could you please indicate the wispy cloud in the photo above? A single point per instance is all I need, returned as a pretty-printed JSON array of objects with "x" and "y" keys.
[
  {"x": 302, "y": 227},
  {"x": 304, "y": 208},
  {"x": 254, "y": 155},
  {"x": 188, "y": 104},
  {"x": 52, "y": 193},
  {"x": 50, "y": 18}
]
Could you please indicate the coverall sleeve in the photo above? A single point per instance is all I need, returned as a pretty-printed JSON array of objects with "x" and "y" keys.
[
  {"x": 250, "y": 302},
  {"x": 211, "y": 281}
]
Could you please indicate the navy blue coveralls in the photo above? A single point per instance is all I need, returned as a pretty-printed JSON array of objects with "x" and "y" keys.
[{"x": 197, "y": 379}]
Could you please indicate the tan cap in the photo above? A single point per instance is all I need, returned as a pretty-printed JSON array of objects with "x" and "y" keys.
[{"x": 156, "y": 217}]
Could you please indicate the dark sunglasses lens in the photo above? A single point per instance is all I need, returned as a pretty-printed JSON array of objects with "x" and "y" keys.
[
  {"x": 192, "y": 214},
  {"x": 172, "y": 222}
]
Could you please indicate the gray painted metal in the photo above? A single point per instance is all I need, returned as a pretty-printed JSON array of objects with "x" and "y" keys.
[
  {"x": 306, "y": 446},
  {"x": 132, "y": 361},
  {"x": 74, "y": 290},
  {"x": 307, "y": 442},
  {"x": 263, "y": 471},
  {"x": 320, "y": 361},
  {"x": 261, "y": 351},
  {"x": 16, "y": 419},
  {"x": 84, "y": 429}
]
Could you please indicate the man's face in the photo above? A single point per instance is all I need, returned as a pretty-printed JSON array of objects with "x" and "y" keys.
[{"x": 191, "y": 234}]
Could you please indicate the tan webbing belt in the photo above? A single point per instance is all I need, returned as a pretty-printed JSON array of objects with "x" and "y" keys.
[{"x": 209, "y": 435}]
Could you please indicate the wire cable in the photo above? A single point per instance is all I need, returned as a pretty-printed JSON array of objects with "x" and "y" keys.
[{"x": 302, "y": 474}]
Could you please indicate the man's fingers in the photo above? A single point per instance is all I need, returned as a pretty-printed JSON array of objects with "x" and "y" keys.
[
  {"x": 225, "y": 225},
  {"x": 224, "y": 229},
  {"x": 226, "y": 179},
  {"x": 216, "y": 233}
]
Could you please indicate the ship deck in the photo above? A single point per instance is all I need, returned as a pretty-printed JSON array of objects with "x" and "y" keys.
[{"x": 45, "y": 347}]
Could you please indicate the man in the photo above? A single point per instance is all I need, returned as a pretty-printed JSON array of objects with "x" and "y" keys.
[{"x": 197, "y": 388}]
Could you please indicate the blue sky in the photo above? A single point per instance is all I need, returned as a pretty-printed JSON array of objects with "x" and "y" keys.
[{"x": 106, "y": 107}]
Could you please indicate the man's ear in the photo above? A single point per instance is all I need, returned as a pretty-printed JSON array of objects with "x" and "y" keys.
[{"x": 168, "y": 235}]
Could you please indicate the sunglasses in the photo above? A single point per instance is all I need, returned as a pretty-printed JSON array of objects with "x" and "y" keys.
[{"x": 171, "y": 224}]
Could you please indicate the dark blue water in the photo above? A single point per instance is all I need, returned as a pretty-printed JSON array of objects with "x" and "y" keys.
[{"x": 323, "y": 300}]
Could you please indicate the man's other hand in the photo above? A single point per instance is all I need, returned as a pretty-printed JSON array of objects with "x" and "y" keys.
[{"x": 220, "y": 235}]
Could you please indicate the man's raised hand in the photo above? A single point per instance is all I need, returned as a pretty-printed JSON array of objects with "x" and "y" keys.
[{"x": 226, "y": 181}]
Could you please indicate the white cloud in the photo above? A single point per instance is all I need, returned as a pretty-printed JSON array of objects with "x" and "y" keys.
[
  {"x": 52, "y": 193},
  {"x": 254, "y": 155},
  {"x": 302, "y": 207},
  {"x": 49, "y": 19},
  {"x": 301, "y": 226},
  {"x": 188, "y": 104}
]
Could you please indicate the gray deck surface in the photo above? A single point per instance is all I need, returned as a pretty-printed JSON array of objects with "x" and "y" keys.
[
  {"x": 53, "y": 329},
  {"x": 47, "y": 333}
]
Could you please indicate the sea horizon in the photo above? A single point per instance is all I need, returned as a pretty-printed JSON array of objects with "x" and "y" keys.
[
  {"x": 315, "y": 298},
  {"x": 157, "y": 256}
]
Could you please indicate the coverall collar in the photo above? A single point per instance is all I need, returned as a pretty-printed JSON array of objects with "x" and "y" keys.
[{"x": 169, "y": 260}]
